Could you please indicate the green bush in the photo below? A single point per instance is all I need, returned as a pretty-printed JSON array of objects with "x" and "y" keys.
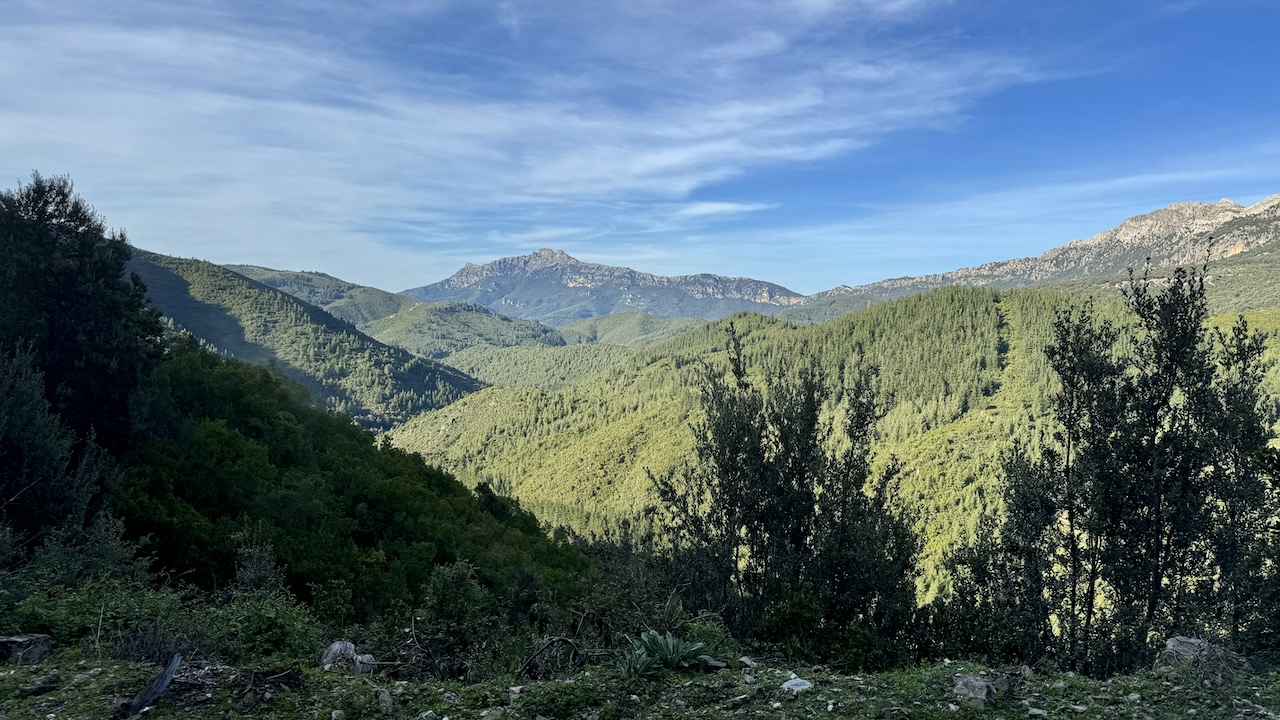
[
  {"x": 250, "y": 626},
  {"x": 103, "y": 613}
]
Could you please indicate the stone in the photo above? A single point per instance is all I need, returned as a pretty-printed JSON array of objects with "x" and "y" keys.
[
  {"x": 337, "y": 715},
  {"x": 797, "y": 685},
  {"x": 28, "y": 649},
  {"x": 342, "y": 655},
  {"x": 1037, "y": 713},
  {"x": 494, "y": 714},
  {"x": 1182, "y": 648},
  {"x": 747, "y": 662},
  {"x": 974, "y": 690},
  {"x": 428, "y": 715},
  {"x": 1059, "y": 686},
  {"x": 1080, "y": 708},
  {"x": 388, "y": 705},
  {"x": 41, "y": 685},
  {"x": 1133, "y": 697}
]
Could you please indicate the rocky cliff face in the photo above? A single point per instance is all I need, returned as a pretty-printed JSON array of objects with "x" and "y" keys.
[
  {"x": 1180, "y": 234},
  {"x": 550, "y": 286}
]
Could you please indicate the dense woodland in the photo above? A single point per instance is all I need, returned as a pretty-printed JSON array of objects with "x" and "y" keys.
[
  {"x": 353, "y": 374},
  {"x": 1021, "y": 476}
]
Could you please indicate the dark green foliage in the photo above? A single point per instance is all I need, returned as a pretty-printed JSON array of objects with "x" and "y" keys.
[
  {"x": 455, "y": 630},
  {"x": 43, "y": 483},
  {"x": 1150, "y": 505},
  {"x": 64, "y": 295},
  {"x": 775, "y": 528},
  {"x": 233, "y": 452}
]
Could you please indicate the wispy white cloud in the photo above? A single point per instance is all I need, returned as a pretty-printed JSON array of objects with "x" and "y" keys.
[
  {"x": 705, "y": 209},
  {"x": 964, "y": 226},
  {"x": 395, "y": 141}
]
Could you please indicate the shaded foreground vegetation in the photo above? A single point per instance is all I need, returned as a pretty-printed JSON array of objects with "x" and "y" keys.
[{"x": 157, "y": 499}]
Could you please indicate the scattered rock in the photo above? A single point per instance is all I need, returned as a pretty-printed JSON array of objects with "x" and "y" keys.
[
  {"x": 451, "y": 698},
  {"x": 496, "y": 714},
  {"x": 428, "y": 715},
  {"x": 974, "y": 690},
  {"x": 1059, "y": 686},
  {"x": 28, "y": 649},
  {"x": 41, "y": 685},
  {"x": 1037, "y": 713},
  {"x": 1204, "y": 657},
  {"x": 1133, "y": 697},
  {"x": 337, "y": 715},
  {"x": 797, "y": 685},
  {"x": 342, "y": 655},
  {"x": 747, "y": 662},
  {"x": 388, "y": 705},
  {"x": 710, "y": 664},
  {"x": 1080, "y": 708}
]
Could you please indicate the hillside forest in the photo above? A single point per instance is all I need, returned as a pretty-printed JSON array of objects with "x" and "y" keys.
[{"x": 245, "y": 466}]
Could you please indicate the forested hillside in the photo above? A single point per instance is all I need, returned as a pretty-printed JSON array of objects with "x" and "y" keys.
[
  {"x": 962, "y": 375},
  {"x": 348, "y": 371},
  {"x": 626, "y": 328},
  {"x": 206, "y": 506},
  {"x": 431, "y": 330}
]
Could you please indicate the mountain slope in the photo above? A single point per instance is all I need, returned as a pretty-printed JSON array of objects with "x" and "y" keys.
[
  {"x": 348, "y": 301},
  {"x": 344, "y": 369},
  {"x": 1183, "y": 233},
  {"x": 551, "y": 287},
  {"x": 430, "y": 330},
  {"x": 580, "y": 454},
  {"x": 629, "y": 328}
]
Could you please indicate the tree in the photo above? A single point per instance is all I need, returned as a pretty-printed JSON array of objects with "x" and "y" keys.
[
  {"x": 41, "y": 484},
  {"x": 776, "y": 528},
  {"x": 64, "y": 293},
  {"x": 1152, "y": 498}
]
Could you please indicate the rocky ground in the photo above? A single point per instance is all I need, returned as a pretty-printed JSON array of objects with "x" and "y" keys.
[{"x": 72, "y": 685}]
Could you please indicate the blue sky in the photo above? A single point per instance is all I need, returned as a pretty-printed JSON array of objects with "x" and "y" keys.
[{"x": 807, "y": 142}]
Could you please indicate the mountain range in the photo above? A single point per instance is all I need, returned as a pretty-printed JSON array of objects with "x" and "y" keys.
[
  {"x": 571, "y": 417},
  {"x": 553, "y": 288}
]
